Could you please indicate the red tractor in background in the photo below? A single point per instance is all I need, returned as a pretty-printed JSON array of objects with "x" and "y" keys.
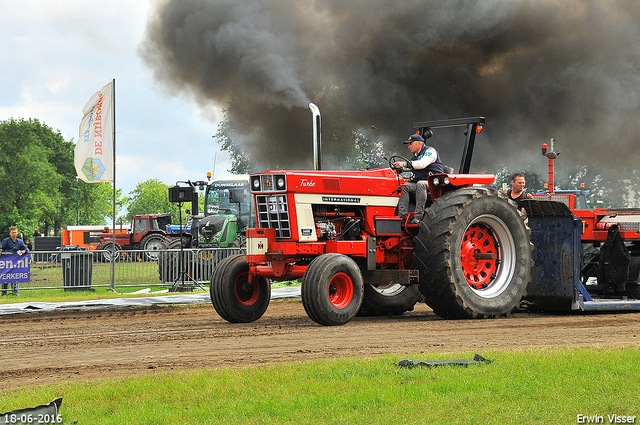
[
  {"x": 610, "y": 246},
  {"x": 338, "y": 232},
  {"x": 147, "y": 233}
]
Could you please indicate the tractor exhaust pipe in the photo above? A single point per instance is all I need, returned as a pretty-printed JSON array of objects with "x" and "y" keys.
[
  {"x": 549, "y": 153},
  {"x": 317, "y": 137}
]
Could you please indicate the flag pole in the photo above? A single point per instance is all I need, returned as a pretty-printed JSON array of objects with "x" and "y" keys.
[{"x": 112, "y": 283}]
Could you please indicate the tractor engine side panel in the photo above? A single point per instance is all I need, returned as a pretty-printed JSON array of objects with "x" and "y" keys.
[{"x": 317, "y": 214}]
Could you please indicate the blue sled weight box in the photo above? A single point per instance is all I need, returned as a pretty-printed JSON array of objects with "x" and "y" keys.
[{"x": 556, "y": 237}]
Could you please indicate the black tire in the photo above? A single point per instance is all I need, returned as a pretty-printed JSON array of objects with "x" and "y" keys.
[
  {"x": 235, "y": 298},
  {"x": 240, "y": 242},
  {"x": 633, "y": 284},
  {"x": 151, "y": 244},
  {"x": 332, "y": 289},
  {"x": 589, "y": 261},
  {"x": 633, "y": 290},
  {"x": 107, "y": 247},
  {"x": 456, "y": 285},
  {"x": 388, "y": 300},
  {"x": 169, "y": 261}
]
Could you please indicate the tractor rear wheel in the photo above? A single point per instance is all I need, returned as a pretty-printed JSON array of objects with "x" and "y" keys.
[
  {"x": 332, "y": 289},
  {"x": 235, "y": 294},
  {"x": 169, "y": 266},
  {"x": 474, "y": 254},
  {"x": 390, "y": 299},
  {"x": 151, "y": 244}
]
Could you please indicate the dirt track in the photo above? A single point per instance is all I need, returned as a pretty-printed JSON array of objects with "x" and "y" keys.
[{"x": 43, "y": 348}]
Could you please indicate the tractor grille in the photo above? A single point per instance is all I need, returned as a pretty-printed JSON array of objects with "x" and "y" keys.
[{"x": 273, "y": 214}]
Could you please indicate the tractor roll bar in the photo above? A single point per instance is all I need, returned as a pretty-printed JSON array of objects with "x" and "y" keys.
[{"x": 471, "y": 123}]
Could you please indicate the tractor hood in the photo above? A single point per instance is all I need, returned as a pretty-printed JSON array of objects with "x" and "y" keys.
[{"x": 211, "y": 227}]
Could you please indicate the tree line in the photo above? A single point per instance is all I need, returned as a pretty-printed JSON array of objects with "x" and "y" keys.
[{"x": 39, "y": 185}]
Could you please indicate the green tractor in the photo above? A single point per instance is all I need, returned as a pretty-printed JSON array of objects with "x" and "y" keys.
[
  {"x": 228, "y": 212},
  {"x": 192, "y": 251}
]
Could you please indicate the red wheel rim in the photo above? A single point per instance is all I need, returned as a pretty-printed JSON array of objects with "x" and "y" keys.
[
  {"x": 479, "y": 241},
  {"x": 246, "y": 291},
  {"x": 340, "y": 290}
]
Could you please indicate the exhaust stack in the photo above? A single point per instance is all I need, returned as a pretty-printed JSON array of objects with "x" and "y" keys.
[
  {"x": 317, "y": 137},
  {"x": 549, "y": 153}
]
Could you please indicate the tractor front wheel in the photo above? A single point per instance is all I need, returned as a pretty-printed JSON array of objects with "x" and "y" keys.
[
  {"x": 110, "y": 250},
  {"x": 474, "y": 254},
  {"x": 237, "y": 296},
  {"x": 332, "y": 289}
]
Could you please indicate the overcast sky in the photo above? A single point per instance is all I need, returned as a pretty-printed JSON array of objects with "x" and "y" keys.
[
  {"x": 57, "y": 54},
  {"x": 536, "y": 69}
]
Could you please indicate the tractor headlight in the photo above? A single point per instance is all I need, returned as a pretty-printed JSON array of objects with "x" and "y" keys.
[
  {"x": 436, "y": 181},
  {"x": 446, "y": 180},
  {"x": 268, "y": 182}
]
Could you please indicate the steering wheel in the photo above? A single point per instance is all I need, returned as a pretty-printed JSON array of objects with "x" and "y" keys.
[{"x": 396, "y": 158}]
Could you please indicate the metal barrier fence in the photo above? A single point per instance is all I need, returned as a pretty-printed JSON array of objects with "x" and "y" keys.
[{"x": 83, "y": 270}]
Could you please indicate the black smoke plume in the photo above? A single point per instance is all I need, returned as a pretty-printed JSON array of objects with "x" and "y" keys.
[{"x": 536, "y": 69}]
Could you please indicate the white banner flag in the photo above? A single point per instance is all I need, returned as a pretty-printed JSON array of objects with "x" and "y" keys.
[{"x": 94, "y": 150}]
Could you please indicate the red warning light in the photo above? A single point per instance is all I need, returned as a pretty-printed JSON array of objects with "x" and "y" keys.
[{"x": 478, "y": 129}]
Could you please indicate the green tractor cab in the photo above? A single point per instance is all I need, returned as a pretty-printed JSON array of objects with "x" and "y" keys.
[{"x": 227, "y": 213}]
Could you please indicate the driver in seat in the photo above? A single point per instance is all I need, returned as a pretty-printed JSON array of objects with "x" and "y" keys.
[{"x": 425, "y": 161}]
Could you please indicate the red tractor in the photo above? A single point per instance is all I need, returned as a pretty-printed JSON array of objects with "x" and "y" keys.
[
  {"x": 147, "y": 233},
  {"x": 608, "y": 245},
  {"x": 339, "y": 233}
]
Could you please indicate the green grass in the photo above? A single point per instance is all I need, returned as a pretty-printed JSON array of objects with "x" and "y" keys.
[
  {"x": 285, "y": 284},
  {"x": 50, "y": 274},
  {"x": 528, "y": 387},
  {"x": 98, "y": 292}
]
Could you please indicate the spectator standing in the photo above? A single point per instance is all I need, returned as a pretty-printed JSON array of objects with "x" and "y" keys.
[
  {"x": 517, "y": 193},
  {"x": 14, "y": 245}
]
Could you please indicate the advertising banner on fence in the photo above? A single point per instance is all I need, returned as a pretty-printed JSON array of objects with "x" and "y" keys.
[
  {"x": 94, "y": 159},
  {"x": 15, "y": 268}
]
